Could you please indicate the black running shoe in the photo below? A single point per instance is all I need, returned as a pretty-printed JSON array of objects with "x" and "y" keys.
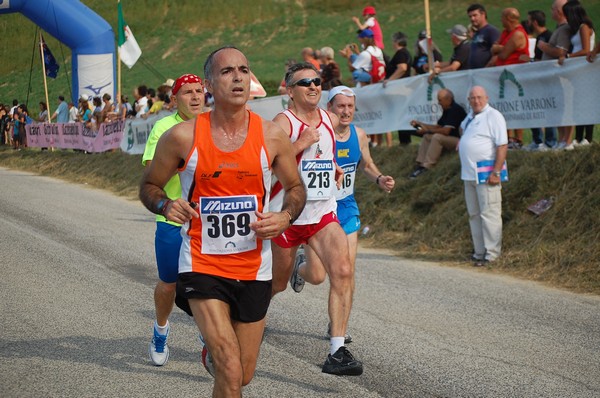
[{"x": 342, "y": 363}]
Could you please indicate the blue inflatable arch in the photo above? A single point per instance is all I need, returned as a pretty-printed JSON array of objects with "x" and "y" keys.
[{"x": 90, "y": 38}]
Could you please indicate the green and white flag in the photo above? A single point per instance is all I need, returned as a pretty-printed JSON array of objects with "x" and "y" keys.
[{"x": 129, "y": 49}]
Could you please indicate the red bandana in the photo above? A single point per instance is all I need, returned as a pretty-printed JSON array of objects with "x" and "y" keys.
[{"x": 185, "y": 79}]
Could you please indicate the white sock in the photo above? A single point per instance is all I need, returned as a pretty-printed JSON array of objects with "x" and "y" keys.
[
  {"x": 335, "y": 344},
  {"x": 161, "y": 329}
]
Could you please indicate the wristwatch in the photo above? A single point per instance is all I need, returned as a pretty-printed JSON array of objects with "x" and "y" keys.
[{"x": 496, "y": 173}]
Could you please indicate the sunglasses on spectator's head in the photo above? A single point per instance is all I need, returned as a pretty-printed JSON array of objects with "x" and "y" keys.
[{"x": 306, "y": 82}]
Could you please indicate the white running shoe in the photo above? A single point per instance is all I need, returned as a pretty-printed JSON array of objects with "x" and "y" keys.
[
  {"x": 158, "y": 349},
  {"x": 584, "y": 142}
]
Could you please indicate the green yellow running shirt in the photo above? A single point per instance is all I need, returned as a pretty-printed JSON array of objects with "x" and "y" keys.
[{"x": 173, "y": 187}]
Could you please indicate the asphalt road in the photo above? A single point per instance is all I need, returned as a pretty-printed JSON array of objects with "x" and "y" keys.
[{"x": 76, "y": 304}]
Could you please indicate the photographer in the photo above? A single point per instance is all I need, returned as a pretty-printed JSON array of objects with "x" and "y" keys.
[
  {"x": 360, "y": 63},
  {"x": 437, "y": 137}
]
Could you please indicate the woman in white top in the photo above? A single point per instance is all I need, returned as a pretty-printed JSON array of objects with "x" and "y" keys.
[
  {"x": 43, "y": 115},
  {"x": 583, "y": 40}
]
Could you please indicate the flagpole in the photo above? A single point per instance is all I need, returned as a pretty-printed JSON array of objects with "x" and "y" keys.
[
  {"x": 46, "y": 88},
  {"x": 118, "y": 80},
  {"x": 429, "y": 40},
  {"x": 118, "y": 71},
  {"x": 45, "y": 82}
]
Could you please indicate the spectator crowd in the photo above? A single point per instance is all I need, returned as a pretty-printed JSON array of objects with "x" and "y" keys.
[{"x": 523, "y": 37}]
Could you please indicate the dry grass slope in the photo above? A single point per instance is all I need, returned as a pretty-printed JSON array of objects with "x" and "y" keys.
[{"x": 426, "y": 218}]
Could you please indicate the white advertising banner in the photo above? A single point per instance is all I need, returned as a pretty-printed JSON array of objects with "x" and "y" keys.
[
  {"x": 540, "y": 94},
  {"x": 96, "y": 74},
  {"x": 136, "y": 132}
]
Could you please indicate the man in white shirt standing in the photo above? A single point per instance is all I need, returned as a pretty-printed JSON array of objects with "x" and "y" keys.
[
  {"x": 73, "y": 113},
  {"x": 484, "y": 138}
]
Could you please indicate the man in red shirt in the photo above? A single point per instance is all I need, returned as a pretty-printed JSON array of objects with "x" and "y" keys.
[
  {"x": 513, "y": 41},
  {"x": 512, "y": 48}
]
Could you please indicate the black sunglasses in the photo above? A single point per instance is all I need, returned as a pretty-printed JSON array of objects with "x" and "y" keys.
[{"x": 306, "y": 82}]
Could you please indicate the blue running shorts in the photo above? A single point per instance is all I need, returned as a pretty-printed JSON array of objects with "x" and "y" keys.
[
  {"x": 167, "y": 241},
  {"x": 351, "y": 224}
]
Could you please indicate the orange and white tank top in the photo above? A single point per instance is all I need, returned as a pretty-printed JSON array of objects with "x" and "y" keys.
[
  {"x": 228, "y": 187},
  {"x": 316, "y": 165}
]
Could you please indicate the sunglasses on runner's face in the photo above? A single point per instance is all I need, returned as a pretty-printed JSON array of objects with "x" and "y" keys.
[{"x": 306, "y": 82}]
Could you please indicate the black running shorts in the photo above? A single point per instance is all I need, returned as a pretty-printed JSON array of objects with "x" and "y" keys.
[{"x": 248, "y": 300}]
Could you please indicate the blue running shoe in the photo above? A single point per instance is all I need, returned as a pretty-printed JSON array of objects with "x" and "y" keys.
[{"x": 158, "y": 349}]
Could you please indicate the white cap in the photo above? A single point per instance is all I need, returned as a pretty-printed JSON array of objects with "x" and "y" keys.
[
  {"x": 169, "y": 82},
  {"x": 347, "y": 91},
  {"x": 85, "y": 97}
]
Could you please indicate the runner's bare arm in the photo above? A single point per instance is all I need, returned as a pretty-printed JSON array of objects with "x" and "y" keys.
[
  {"x": 285, "y": 169},
  {"x": 368, "y": 166},
  {"x": 171, "y": 150}
]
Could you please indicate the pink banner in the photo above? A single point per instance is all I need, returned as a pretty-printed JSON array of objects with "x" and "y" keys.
[{"x": 75, "y": 136}]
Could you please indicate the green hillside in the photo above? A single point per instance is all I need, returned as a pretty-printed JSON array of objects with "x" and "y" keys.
[{"x": 177, "y": 35}]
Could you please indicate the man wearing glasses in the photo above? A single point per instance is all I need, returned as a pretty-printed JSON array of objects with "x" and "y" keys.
[
  {"x": 311, "y": 130},
  {"x": 482, "y": 149}
]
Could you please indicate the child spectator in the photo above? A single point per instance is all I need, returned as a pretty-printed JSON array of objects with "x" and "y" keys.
[
  {"x": 97, "y": 113},
  {"x": 370, "y": 23}
]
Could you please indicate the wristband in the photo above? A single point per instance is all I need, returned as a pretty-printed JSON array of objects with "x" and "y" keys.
[
  {"x": 289, "y": 213},
  {"x": 496, "y": 173},
  {"x": 378, "y": 177},
  {"x": 162, "y": 205}
]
